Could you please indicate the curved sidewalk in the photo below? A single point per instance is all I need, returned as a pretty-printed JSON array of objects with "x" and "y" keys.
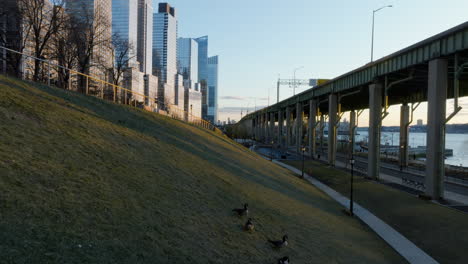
[{"x": 401, "y": 244}]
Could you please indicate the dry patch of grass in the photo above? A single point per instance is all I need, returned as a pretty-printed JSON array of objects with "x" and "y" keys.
[{"x": 87, "y": 181}]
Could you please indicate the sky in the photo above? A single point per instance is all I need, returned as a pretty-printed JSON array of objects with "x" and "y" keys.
[{"x": 259, "y": 40}]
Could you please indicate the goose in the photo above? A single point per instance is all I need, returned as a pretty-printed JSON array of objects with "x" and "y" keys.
[
  {"x": 249, "y": 226},
  {"x": 279, "y": 243},
  {"x": 242, "y": 211},
  {"x": 283, "y": 260}
]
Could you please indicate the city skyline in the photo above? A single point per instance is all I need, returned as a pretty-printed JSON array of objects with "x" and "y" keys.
[{"x": 266, "y": 43}]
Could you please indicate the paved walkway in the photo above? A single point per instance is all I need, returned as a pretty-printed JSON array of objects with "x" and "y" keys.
[{"x": 401, "y": 244}]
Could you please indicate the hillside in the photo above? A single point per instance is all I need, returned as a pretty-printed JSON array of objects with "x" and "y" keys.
[{"x": 88, "y": 181}]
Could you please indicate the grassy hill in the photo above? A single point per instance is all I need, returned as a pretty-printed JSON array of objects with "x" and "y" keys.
[{"x": 88, "y": 181}]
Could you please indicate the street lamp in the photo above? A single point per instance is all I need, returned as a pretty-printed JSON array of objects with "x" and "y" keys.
[
  {"x": 271, "y": 151},
  {"x": 294, "y": 79},
  {"x": 373, "y": 19},
  {"x": 351, "y": 202},
  {"x": 303, "y": 150}
]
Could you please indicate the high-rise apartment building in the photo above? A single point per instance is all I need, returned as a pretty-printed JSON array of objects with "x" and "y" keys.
[
  {"x": 202, "y": 58},
  {"x": 212, "y": 89},
  {"x": 145, "y": 36},
  {"x": 125, "y": 27},
  {"x": 187, "y": 59},
  {"x": 165, "y": 43}
]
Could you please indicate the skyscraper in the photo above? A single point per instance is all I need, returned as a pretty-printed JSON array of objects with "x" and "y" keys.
[
  {"x": 165, "y": 43},
  {"x": 187, "y": 59},
  {"x": 202, "y": 58},
  {"x": 212, "y": 89},
  {"x": 125, "y": 27},
  {"x": 145, "y": 35}
]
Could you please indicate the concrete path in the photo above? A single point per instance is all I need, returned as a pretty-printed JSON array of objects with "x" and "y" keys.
[{"x": 401, "y": 244}]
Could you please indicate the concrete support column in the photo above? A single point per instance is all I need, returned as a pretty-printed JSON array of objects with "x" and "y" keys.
[
  {"x": 322, "y": 127},
  {"x": 256, "y": 128},
  {"x": 332, "y": 120},
  {"x": 436, "y": 108},
  {"x": 375, "y": 119},
  {"x": 311, "y": 127},
  {"x": 288, "y": 127},
  {"x": 272, "y": 128},
  {"x": 265, "y": 126},
  {"x": 352, "y": 128},
  {"x": 299, "y": 122},
  {"x": 280, "y": 128},
  {"x": 404, "y": 135}
]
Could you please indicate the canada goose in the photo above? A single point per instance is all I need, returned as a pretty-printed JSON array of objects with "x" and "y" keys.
[
  {"x": 249, "y": 226},
  {"x": 283, "y": 260},
  {"x": 279, "y": 243},
  {"x": 242, "y": 211}
]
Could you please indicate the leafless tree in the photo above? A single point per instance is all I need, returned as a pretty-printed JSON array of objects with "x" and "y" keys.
[
  {"x": 124, "y": 53},
  {"x": 90, "y": 32},
  {"x": 45, "y": 18},
  {"x": 64, "y": 51}
]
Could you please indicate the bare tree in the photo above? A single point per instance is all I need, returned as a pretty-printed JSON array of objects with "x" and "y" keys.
[
  {"x": 124, "y": 53},
  {"x": 90, "y": 34},
  {"x": 45, "y": 18},
  {"x": 64, "y": 50}
]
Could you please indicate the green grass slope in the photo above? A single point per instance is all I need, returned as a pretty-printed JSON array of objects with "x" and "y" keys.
[{"x": 87, "y": 181}]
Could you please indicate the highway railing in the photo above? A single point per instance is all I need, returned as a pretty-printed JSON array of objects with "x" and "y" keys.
[{"x": 59, "y": 76}]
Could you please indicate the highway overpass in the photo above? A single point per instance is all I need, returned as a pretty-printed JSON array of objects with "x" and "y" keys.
[{"x": 432, "y": 70}]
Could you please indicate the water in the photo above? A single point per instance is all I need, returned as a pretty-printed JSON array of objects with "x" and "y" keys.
[{"x": 457, "y": 142}]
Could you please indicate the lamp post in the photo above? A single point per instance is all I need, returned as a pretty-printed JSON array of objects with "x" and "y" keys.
[
  {"x": 373, "y": 20},
  {"x": 271, "y": 151},
  {"x": 303, "y": 150},
  {"x": 351, "y": 201},
  {"x": 294, "y": 79}
]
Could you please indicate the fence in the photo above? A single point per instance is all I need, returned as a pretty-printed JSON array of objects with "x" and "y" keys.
[{"x": 62, "y": 77}]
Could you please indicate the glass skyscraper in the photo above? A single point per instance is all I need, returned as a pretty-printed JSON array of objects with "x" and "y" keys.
[
  {"x": 165, "y": 43},
  {"x": 187, "y": 59},
  {"x": 202, "y": 58},
  {"x": 124, "y": 25},
  {"x": 212, "y": 89}
]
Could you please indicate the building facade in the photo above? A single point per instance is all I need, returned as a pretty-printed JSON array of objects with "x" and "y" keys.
[
  {"x": 187, "y": 59},
  {"x": 212, "y": 97},
  {"x": 165, "y": 43},
  {"x": 145, "y": 36},
  {"x": 125, "y": 27},
  {"x": 202, "y": 58}
]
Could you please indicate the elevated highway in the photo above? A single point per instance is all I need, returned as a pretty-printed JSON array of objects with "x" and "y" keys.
[{"x": 432, "y": 70}]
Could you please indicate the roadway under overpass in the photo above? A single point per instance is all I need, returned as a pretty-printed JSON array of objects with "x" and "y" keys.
[{"x": 432, "y": 71}]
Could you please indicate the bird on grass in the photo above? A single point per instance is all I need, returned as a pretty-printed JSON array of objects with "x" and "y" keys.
[
  {"x": 249, "y": 226},
  {"x": 279, "y": 243},
  {"x": 284, "y": 260},
  {"x": 242, "y": 211}
]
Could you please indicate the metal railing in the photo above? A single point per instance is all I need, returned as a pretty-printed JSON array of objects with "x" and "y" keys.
[{"x": 50, "y": 74}]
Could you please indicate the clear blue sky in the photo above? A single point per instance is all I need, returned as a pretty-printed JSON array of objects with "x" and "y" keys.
[{"x": 259, "y": 39}]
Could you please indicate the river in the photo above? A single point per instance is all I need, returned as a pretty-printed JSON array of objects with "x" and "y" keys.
[{"x": 457, "y": 142}]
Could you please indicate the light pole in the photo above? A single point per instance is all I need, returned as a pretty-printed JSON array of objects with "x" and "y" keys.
[
  {"x": 303, "y": 150},
  {"x": 294, "y": 79},
  {"x": 271, "y": 151},
  {"x": 373, "y": 20},
  {"x": 351, "y": 201}
]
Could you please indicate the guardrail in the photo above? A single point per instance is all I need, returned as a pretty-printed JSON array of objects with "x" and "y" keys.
[{"x": 94, "y": 86}]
